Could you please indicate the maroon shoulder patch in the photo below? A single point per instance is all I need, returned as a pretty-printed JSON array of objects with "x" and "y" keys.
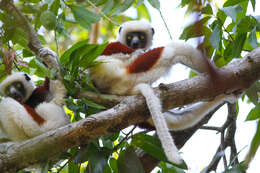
[
  {"x": 145, "y": 61},
  {"x": 117, "y": 47},
  {"x": 46, "y": 84},
  {"x": 35, "y": 116}
]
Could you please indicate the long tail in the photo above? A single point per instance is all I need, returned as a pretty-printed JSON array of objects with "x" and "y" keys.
[
  {"x": 192, "y": 114},
  {"x": 166, "y": 139}
]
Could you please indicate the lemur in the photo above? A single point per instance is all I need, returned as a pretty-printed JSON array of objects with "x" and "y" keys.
[
  {"x": 126, "y": 71},
  {"x": 28, "y": 111}
]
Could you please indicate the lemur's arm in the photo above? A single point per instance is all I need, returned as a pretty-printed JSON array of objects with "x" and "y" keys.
[{"x": 59, "y": 92}]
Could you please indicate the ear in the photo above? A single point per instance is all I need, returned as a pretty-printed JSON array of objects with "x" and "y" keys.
[
  {"x": 120, "y": 28},
  {"x": 27, "y": 77},
  {"x": 152, "y": 31}
]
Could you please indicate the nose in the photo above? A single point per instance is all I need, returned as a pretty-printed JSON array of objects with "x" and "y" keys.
[
  {"x": 135, "y": 43},
  {"x": 14, "y": 93}
]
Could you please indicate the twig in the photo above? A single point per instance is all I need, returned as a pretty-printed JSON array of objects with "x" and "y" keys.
[
  {"x": 125, "y": 138},
  {"x": 69, "y": 160},
  {"x": 226, "y": 140},
  {"x": 165, "y": 24},
  {"x": 100, "y": 12}
]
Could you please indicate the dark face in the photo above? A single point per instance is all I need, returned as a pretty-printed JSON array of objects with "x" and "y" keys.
[
  {"x": 136, "y": 40},
  {"x": 16, "y": 91}
]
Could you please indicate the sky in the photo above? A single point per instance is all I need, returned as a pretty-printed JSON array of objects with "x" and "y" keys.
[{"x": 200, "y": 149}]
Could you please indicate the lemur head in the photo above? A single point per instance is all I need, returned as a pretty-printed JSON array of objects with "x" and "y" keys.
[
  {"x": 18, "y": 86},
  {"x": 137, "y": 34}
]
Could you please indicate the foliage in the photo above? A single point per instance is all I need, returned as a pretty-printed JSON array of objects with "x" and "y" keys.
[{"x": 223, "y": 32}]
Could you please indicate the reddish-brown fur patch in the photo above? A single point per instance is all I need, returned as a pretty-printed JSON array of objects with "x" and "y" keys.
[
  {"x": 117, "y": 47},
  {"x": 35, "y": 116},
  {"x": 39, "y": 94},
  {"x": 145, "y": 61}
]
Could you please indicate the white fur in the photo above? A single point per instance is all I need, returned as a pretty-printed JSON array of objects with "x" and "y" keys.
[
  {"x": 162, "y": 130},
  {"x": 18, "y": 77},
  {"x": 111, "y": 75},
  {"x": 136, "y": 26},
  {"x": 18, "y": 125}
]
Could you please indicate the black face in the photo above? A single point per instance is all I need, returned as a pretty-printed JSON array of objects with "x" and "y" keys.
[
  {"x": 136, "y": 40},
  {"x": 16, "y": 90}
]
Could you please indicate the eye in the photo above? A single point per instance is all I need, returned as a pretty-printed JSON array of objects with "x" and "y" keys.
[
  {"x": 18, "y": 85},
  {"x": 129, "y": 37},
  {"x": 142, "y": 37},
  {"x": 7, "y": 92}
]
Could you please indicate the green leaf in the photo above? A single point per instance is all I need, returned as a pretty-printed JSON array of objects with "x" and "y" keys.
[
  {"x": 155, "y": 4},
  {"x": 20, "y": 37},
  {"x": 215, "y": 37},
  {"x": 246, "y": 24},
  {"x": 232, "y": 11},
  {"x": 97, "y": 158},
  {"x": 90, "y": 54},
  {"x": 239, "y": 168},
  {"x": 48, "y": 20},
  {"x": 252, "y": 92},
  {"x": 27, "y": 53},
  {"x": 55, "y": 6},
  {"x": 254, "y": 114},
  {"x": 34, "y": 1},
  {"x": 207, "y": 9},
  {"x": 253, "y": 4},
  {"x": 126, "y": 4},
  {"x": 66, "y": 55},
  {"x": 152, "y": 146},
  {"x": 128, "y": 162},
  {"x": 196, "y": 29},
  {"x": 255, "y": 143},
  {"x": 232, "y": 2},
  {"x": 83, "y": 16},
  {"x": 238, "y": 45},
  {"x": 41, "y": 69},
  {"x": 168, "y": 168},
  {"x": 113, "y": 165},
  {"x": 108, "y": 7},
  {"x": 81, "y": 156},
  {"x": 142, "y": 12},
  {"x": 73, "y": 167},
  {"x": 94, "y": 105},
  {"x": 252, "y": 38}
]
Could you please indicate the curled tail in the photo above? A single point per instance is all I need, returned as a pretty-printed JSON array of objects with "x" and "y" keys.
[{"x": 162, "y": 130}]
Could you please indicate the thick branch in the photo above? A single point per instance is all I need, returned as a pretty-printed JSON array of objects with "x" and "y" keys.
[{"x": 237, "y": 76}]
